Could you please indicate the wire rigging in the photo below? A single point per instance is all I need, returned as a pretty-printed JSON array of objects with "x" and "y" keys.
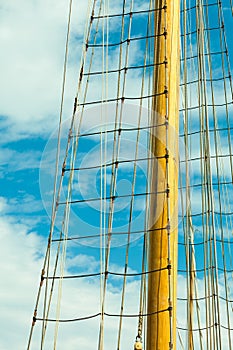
[{"x": 118, "y": 68}]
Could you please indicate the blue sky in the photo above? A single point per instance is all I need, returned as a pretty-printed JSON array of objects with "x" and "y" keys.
[
  {"x": 32, "y": 41},
  {"x": 32, "y": 37}
]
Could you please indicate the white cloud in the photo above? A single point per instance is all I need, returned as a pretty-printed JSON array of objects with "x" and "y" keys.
[
  {"x": 23, "y": 204},
  {"x": 20, "y": 265},
  {"x": 20, "y": 252},
  {"x": 201, "y": 309},
  {"x": 13, "y": 160},
  {"x": 32, "y": 40}
]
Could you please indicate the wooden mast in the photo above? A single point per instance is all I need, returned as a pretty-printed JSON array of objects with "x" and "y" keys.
[{"x": 161, "y": 322}]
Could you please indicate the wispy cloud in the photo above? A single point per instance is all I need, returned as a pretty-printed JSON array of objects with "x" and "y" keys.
[{"x": 32, "y": 39}]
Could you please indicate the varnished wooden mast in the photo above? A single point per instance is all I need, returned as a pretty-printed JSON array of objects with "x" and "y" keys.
[{"x": 161, "y": 322}]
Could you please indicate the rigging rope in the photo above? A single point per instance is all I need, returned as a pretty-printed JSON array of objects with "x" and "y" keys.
[
  {"x": 55, "y": 193},
  {"x": 206, "y": 119}
]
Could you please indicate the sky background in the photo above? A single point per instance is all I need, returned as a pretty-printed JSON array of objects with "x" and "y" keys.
[{"x": 32, "y": 41}]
